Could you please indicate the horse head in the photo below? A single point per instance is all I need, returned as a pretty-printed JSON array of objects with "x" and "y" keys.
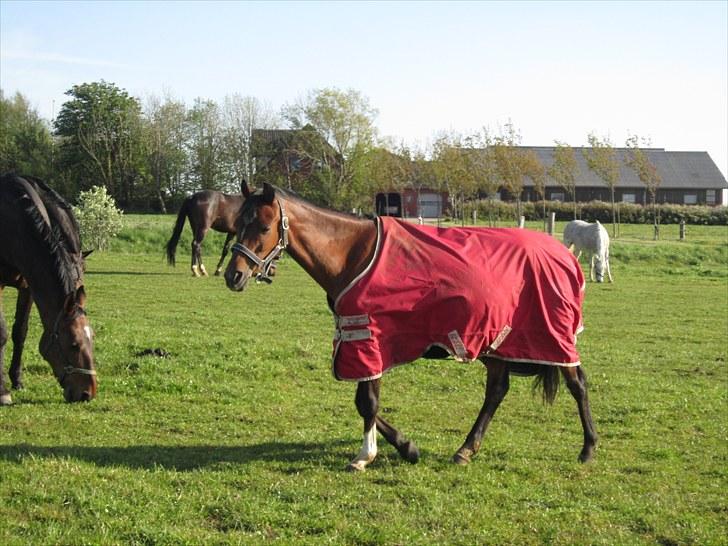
[
  {"x": 262, "y": 234},
  {"x": 68, "y": 347}
]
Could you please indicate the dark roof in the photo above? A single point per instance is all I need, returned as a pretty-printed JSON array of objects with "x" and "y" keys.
[{"x": 677, "y": 169}]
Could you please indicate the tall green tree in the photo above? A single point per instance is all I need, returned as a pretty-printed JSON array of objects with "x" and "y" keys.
[
  {"x": 601, "y": 158},
  {"x": 345, "y": 121},
  {"x": 102, "y": 139},
  {"x": 26, "y": 145},
  {"x": 564, "y": 169},
  {"x": 205, "y": 147},
  {"x": 646, "y": 171},
  {"x": 166, "y": 134},
  {"x": 535, "y": 170},
  {"x": 509, "y": 162},
  {"x": 241, "y": 115},
  {"x": 455, "y": 164}
]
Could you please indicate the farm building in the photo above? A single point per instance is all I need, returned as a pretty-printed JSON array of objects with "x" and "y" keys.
[{"x": 687, "y": 178}]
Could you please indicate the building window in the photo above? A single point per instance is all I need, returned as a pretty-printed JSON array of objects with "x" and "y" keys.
[
  {"x": 629, "y": 198},
  {"x": 557, "y": 196},
  {"x": 690, "y": 198},
  {"x": 710, "y": 197}
]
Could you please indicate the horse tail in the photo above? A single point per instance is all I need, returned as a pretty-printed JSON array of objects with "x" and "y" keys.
[
  {"x": 548, "y": 379},
  {"x": 172, "y": 243}
]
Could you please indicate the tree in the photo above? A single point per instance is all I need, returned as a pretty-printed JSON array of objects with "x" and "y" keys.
[
  {"x": 345, "y": 121},
  {"x": 455, "y": 160},
  {"x": 509, "y": 162},
  {"x": 602, "y": 159},
  {"x": 102, "y": 139},
  {"x": 26, "y": 145},
  {"x": 535, "y": 170},
  {"x": 646, "y": 171},
  {"x": 563, "y": 169},
  {"x": 386, "y": 168},
  {"x": 240, "y": 116},
  {"x": 166, "y": 134},
  {"x": 205, "y": 148}
]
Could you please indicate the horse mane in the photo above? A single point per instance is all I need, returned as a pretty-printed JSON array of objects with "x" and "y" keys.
[
  {"x": 294, "y": 196},
  {"x": 60, "y": 236}
]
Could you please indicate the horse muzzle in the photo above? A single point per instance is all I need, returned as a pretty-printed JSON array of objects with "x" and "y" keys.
[{"x": 236, "y": 280}]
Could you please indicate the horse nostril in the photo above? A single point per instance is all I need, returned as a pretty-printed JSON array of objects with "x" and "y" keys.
[
  {"x": 236, "y": 278},
  {"x": 85, "y": 396}
]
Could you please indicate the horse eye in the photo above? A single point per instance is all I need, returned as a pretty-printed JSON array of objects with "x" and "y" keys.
[{"x": 265, "y": 229}]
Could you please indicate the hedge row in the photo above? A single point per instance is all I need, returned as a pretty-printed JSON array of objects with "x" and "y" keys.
[{"x": 629, "y": 213}]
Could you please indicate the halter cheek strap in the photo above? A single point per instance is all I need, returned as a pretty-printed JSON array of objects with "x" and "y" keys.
[
  {"x": 67, "y": 369},
  {"x": 266, "y": 264}
]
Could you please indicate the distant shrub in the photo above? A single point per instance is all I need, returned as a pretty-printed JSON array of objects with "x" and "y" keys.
[
  {"x": 629, "y": 213},
  {"x": 98, "y": 218}
]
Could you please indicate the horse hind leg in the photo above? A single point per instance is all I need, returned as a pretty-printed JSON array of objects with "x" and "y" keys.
[
  {"x": 20, "y": 331},
  {"x": 497, "y": 384},
  {"x": 576, "y": 382},
  {"x": 367, "y": 404},
  {"x": 5, "y": 398}
]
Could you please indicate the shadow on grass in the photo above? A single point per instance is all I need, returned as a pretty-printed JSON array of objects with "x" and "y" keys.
[
  {"x": 331, "y": 455},
  {"x": 131, "y": 273}
]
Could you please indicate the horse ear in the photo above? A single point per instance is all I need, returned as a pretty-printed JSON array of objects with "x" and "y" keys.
[
  {"x": 69, "y": 304},
  {"x": 81, "y": 296},
  {"x": 269, "y": 193},
  {"x": 244, "y": 188}
]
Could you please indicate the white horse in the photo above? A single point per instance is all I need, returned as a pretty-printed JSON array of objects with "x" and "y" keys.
[{"x": 594, "y": 240}]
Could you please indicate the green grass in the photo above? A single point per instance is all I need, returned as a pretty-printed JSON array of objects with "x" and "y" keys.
[{"x": 241, "y": 436}]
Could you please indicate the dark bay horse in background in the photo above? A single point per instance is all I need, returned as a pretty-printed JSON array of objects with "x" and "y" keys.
[
  {"x": 205, "y": 209},
  {"x": 40, "y": 254},
  {"x": 337, "y": 251}
]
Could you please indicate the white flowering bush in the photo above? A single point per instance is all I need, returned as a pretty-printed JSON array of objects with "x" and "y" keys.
[{"x": 98, "y": 218}]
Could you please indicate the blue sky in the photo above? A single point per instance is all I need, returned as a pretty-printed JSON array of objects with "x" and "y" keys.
[{"x": 557, "y": 70}]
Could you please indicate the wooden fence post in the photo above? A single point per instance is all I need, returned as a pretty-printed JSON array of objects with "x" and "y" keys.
[
  {"x": 521, "y": 222},
  {"x": 552, "y": 223},
  {"x": 683, "y": 230}
]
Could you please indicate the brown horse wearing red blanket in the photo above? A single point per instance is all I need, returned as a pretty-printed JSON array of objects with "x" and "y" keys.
[
  {"x": 519, "y": 312},
  {"x": 205, "y": 210}
]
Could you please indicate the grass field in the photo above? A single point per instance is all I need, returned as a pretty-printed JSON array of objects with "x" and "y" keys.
[{"x": 241, "y": 435}]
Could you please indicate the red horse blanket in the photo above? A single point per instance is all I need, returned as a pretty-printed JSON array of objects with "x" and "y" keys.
[{"x": 512, "y": 293}]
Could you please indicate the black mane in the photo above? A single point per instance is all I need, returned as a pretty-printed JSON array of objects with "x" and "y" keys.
[{"x": 61, "y": 237}]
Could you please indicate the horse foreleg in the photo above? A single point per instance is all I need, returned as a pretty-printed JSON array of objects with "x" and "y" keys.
[
  {"x": 609, "y": 270},
  {"x": 5, "y": 398},
  {"x": 591, "y": 268},
  {"x": 367, "y": 404},
  {"x": 576, "y": 382},
  {"x": 496, "y": 388},
  {"x": 406, "y": 448},
  {"x": 20, "y": 331},
  {"x": 225, "y": 249}
]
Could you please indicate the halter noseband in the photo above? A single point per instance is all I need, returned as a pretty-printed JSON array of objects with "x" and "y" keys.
[
  {"x": 266, "y": 264},
  {"x": 55, "y": 338}
]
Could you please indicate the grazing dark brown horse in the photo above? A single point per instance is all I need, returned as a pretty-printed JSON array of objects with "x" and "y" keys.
[
  {"x": 206, "y": 209},
  {"x": 40, "y": 253},
  {"x": 337, "y": 251}
]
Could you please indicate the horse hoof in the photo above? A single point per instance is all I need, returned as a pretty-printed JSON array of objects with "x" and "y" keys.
[
  {"x": 409, "y": 452},
  {"x": 6, "y": 400},
  {"x": 586, "y": 455},
  {"x": 218, "y": 272},
  {"x": 462, "y": 457},
  {"x": 356, "y": 466}
]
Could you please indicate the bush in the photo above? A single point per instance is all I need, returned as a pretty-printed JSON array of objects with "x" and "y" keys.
[
  {"x": 629, "y": 213},
  {"x": 98, "y": 218}
]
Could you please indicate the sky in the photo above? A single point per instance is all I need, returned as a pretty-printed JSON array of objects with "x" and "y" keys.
[{"x": 555, "y": 70}]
